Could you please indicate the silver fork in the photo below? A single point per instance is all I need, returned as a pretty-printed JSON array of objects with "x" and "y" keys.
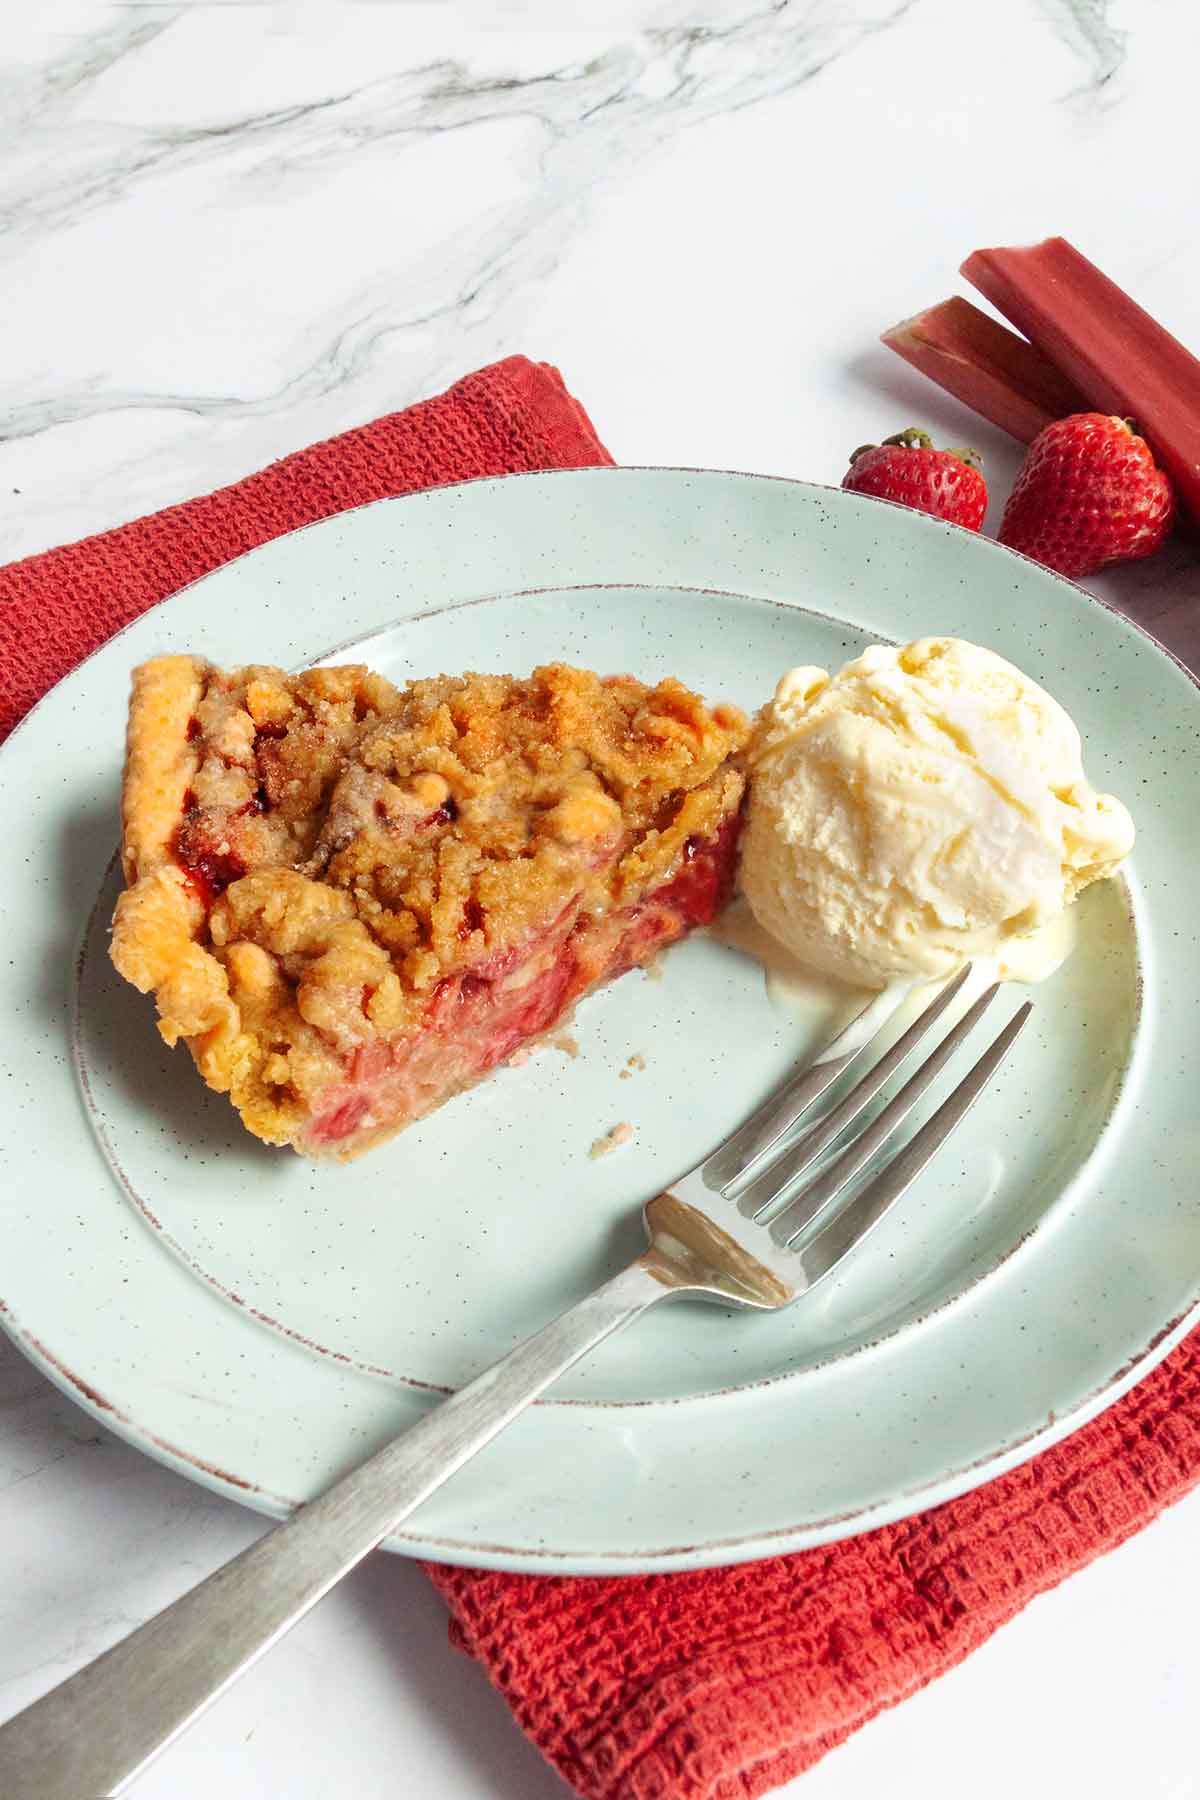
[{"x": 732, "y": 1230}]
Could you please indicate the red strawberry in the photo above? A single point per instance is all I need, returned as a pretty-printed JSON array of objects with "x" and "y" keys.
[
  {"x": 1089, "y": 493},
  {"x": 907, "y": 468}
]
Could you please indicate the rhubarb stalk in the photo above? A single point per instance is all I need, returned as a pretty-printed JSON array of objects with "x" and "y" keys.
[
  {"x": 986, "y": 366},
  {"x": 1121, "y": 359}
]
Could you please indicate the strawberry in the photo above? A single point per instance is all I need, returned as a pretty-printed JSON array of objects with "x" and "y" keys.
[
  {"x": 1089, "y": 493},
  {"x": 908, "y": 469}
]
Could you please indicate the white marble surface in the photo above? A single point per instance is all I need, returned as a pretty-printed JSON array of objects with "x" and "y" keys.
[{"x": 231, "y": 229}]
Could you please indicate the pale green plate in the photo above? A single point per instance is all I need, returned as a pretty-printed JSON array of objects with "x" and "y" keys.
[{"x": 260, "y": 1324}]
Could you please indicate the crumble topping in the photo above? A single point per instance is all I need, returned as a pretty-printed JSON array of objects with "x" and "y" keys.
[{"x": 314, "y": 861}]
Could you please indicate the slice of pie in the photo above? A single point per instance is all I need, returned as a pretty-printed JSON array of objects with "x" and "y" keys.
[{"x": 352, "y": 900}]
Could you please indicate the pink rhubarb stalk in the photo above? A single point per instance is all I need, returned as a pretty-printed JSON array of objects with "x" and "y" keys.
[
  {"x": 1121, "y": 359},
  {"x": 986, "y": 366}
]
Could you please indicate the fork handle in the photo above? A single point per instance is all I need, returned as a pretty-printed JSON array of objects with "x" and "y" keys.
[{"x": 99, "y": 1729}]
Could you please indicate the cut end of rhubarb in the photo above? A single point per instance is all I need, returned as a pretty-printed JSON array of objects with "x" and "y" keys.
[{"x": 997, "y": 374}]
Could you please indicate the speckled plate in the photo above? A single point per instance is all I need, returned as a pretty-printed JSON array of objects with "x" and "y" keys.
[{"x": 260, "y": 1324}]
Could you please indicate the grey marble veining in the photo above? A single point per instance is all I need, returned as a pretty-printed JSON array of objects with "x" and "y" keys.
[
  {"x": 601, "y": 115},
  {"x": 205, "y": 138},
  {"x": 1089, "y": 27}
]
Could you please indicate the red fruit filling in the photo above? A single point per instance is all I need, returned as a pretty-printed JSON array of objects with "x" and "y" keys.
[
  {"x": 479, "y": 1019},
  {"x": 208, "y": 868},
  {"x": 210, "y": 861}
]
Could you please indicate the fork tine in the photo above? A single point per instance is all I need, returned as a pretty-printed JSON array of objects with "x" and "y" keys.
[
  {"x": 778, "y": 1175},
  {"x": 835, "y": 1239},
  {"x": 812, "y": 1200},
  {"x": 788, "y": 1103}
]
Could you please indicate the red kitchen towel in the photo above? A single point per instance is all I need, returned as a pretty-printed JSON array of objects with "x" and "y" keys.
[
  {"x": 719, "y": 1685},
  {"x": 58, "y": 607},
  {"x": 723, "y": 1684}
]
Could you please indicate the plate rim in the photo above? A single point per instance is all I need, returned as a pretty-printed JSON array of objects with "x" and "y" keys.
[{"x": 725, "y": 1552}]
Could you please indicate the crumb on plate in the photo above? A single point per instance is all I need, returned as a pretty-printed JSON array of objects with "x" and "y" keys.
[
  {"x": 612, "y": 1140},
  {"x": 557, "y": 1040}
]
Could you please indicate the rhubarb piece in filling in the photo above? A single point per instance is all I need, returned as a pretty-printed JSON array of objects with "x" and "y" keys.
[{"x": 352, "y": 901}]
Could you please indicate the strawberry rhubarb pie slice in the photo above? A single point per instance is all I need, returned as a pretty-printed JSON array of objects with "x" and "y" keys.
[{"x": 352, "y": 900}]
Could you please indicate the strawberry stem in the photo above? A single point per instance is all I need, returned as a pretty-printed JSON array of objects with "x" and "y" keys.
[
  {"x": 911, "y": 438},
  {"x": 914, "y": 438}
]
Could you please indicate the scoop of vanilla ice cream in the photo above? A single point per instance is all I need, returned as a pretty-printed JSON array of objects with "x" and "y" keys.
[{"x": 921, "y": 807}]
